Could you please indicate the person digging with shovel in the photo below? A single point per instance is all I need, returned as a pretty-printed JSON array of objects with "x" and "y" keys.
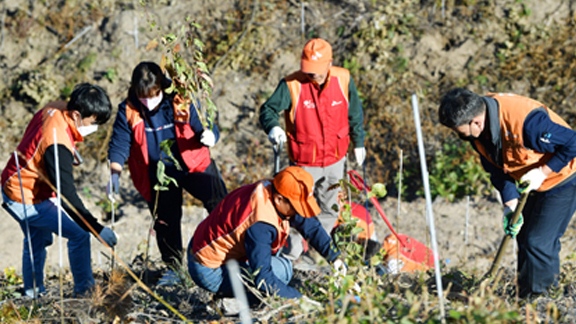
[
  {"x": 521, "y": 140},
  {"x": 28, "y": 186}
]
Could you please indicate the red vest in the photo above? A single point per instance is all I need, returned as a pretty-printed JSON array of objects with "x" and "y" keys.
[
  {"x": 517, "y": 159},
  {"x": 196, "y": 156},
  {"x": 39, "y": 135},
  {"x": 317, "y": 123},
  {"x": 220, "y": 237}
]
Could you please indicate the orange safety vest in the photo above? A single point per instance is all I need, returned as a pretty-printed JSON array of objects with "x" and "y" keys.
[
  {"x": 517, "y": 159},
  {"x": 220, "y": 237},
  {"x": 317, "y": 123},
  {"x": 39, "y": 135},
  {"x": 195, "y": 155}
]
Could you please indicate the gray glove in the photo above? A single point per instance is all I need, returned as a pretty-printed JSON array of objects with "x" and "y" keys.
[{"x": 109, "y": 236}]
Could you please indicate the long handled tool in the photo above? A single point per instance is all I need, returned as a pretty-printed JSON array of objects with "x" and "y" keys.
[
  {"x": 28, "y": 236},
  {"x": 410, "y": 248},
  {"x": 277, "y": 152},
  {"x": 507, "y": 237}
]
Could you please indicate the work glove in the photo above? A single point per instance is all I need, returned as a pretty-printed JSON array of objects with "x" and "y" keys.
[
  {"x": 208, "y": 138},
  {"x": 277, "y": 135},
  {"x": 113, "y": 186},
  {"x": 360, "y": 153},
  {"x": 340, "y": 270},
  {"x": 109, "y": 236},
  {"x": 511, "y": 229},
  {"x": 532, "y": 180}
]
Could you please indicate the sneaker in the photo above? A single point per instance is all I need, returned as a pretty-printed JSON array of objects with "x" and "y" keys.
[
  {"x": 169, "y": 278},
  {"x": 228, "y": 306}
]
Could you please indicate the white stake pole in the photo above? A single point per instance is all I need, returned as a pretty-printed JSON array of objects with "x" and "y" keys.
[
  {"x": 429, "y": 214},
  {"x": 467, "y": 218},
  {"x": 59, "y": 206},
  {"x": 29, "y": 238},
  {"x": 399, "y": 191},
  {"x": 239, "y": 293}
]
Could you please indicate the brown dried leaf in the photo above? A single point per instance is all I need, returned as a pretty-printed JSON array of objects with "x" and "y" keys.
[{"x": 152, "y": 44}]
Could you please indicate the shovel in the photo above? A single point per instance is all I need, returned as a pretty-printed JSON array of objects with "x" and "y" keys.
[
  {"x": 410, "y": 248},
  {"x": 507, "y": 237},
  {"x": 277, "y": 152}
]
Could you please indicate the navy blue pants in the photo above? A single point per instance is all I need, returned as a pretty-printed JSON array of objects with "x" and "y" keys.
[
  {"x": 546, "y": 216},
  {"x": 206, "y": 186}
]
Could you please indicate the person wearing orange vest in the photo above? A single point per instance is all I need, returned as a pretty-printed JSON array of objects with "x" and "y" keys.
[
  {"x": 29, "y": 195},
  {"x": 521, "y": 140},
  {"x": 148, "y": 117},
  {"x": 322, "y": 112},
  {"x": 251, "y": 226}
]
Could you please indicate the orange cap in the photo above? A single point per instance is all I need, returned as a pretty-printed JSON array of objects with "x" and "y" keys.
[
  {"x": 297, "y": 185},
  {"x": 316, "y": 56}
]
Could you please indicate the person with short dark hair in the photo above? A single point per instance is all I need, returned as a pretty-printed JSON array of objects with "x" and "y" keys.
[
  {"x": 36, "y": 211},
  {"x": 148, "y": 117},
  {"x": 521, "y": 140}
]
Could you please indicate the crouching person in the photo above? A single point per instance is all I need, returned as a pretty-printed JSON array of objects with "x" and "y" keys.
[
  {"x": 28, "y": 196},
  {"x": 251, "y": 225}
]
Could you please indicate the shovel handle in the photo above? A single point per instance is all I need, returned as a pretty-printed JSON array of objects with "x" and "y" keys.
[
  {"x": 357, "y": 181},
  {"x": 507, "y": 237},
  {"x": 277, "y": 151}
]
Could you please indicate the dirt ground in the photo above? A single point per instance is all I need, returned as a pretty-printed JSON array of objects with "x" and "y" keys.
[{"x": 242, "y": 144}]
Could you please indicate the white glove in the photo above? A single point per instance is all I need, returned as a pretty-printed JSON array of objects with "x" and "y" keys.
[
  {"x": 277, "y": 135},
  {"x": 360, "y": 153},
  {"x": 533, "y": 179},
  {"x": 208, "y": 138},
  {"x": 340, "y": 268}
]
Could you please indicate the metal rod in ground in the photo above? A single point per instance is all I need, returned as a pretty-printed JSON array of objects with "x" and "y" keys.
[
  {"x": 399, "y": 199},
  {"x": 239, "y": 292},
  {"x": 59, "y": 208},
  {"x": 28, "y": 237},
  {"x": 302, "y": 21},
  {"x": 467, "y": 218},
  {"x": 429, "y": 214}
]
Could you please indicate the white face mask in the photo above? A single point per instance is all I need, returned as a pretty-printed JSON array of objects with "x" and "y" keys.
[
  {"x": 151, "y": 103},
  {"x": 86, "y": 130}
]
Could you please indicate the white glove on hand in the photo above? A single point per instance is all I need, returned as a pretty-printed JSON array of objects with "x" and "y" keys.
[
  {"x": 340, "y": 268},
  {"x": 207, "y": 138},
  {"x": 360, "y": 153},
  {"x": 532, "y": 179},
  {"x": 309, "y": 304},
  {"x": 277, "y": 135}
]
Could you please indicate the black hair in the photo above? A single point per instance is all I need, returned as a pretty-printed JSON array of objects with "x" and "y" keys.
[
  {"x": 459, "y": 106},
  {"x": 147, "y": 78},
  {"x": 90, "y": 100}
]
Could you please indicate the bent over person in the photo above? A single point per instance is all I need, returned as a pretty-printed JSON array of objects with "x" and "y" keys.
[
  {"x": 251, "y": 226},
  {"x": 322, "y": 112},
  {"x": 148, "y": 117},
  {"x": 520, "y": 139},
  {"x": 36, "y": 210}
]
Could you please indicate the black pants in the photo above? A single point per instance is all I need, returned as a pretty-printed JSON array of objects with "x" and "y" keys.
[
  {"x": 206, "y": 186},
  {"x": 546, "y": 216}
]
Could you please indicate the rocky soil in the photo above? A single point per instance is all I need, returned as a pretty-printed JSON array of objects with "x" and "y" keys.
[{"x": 40, "y": 56}]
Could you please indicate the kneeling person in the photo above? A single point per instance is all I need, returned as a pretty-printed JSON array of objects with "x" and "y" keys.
[{"x": 251, "y": 225}]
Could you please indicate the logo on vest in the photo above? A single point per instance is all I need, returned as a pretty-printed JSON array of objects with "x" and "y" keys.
[
  {"x": 309, "y": 104},
  {"x": 335, "y": 103}
]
